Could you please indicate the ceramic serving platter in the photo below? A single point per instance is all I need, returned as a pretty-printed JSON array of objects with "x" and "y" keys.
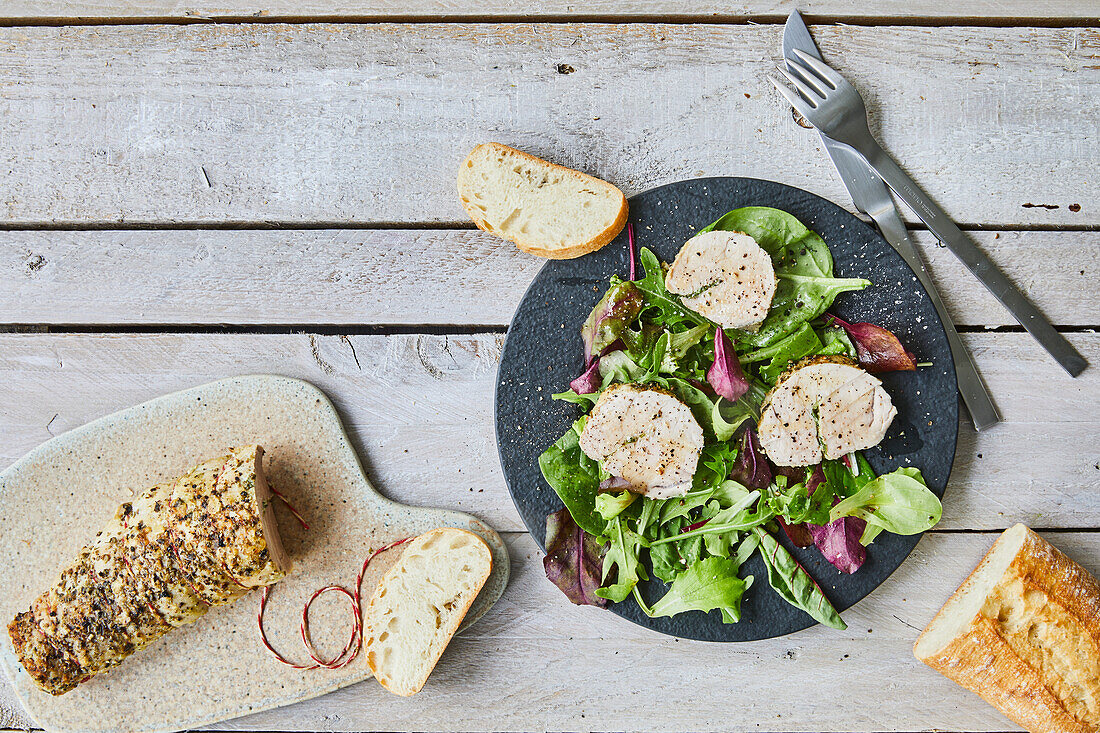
[
  {"x": 57, "y": 497},
  {"x": 544, "y": 351}
]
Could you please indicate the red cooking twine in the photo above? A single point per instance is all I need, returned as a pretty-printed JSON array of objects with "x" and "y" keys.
[{"x": 355, "y": 602}]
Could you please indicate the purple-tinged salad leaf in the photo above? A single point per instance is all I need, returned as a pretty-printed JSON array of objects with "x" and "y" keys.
[
  {"x": 877, "y": 349},
  {"x": 574, "y": 560},
  {"x": 839, "y": 542},
  {"x": 798, "y": 534},
  {"x": 590, "y": 381},
  {"x": 725, "y": 373},
  {"x": 617, "y": 309},
  {"x": 633, "y": 252},
  {"x": 752, "y": 469},
  {"x": 615, "y": 483}
]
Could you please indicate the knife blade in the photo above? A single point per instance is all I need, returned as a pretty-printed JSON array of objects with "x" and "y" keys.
[{"x": 871, "y": 196}]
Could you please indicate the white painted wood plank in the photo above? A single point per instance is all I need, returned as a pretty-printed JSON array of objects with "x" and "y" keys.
[
  {"x": 758, "y": 10},
  {"x": 367, "y": 123},
  {"x": 536, "y": 662},
  {"x": 407, "y": 277},
  {"x": 409, "y": 400}
]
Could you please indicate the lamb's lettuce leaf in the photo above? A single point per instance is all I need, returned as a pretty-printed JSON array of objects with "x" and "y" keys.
[{"x": 898, "y": 502}]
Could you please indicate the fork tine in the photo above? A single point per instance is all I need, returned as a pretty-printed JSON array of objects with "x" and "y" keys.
[
  {"x": 806, "y": 77},
  {"x": 822, "y": 69},
  {"x": 808, "y": 92},
  {"x": 801, "y": 106}
]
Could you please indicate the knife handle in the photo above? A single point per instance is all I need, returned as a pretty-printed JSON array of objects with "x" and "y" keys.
[
  {"x": 975, "y": 260},
  {"x": 983, "y": 413}
]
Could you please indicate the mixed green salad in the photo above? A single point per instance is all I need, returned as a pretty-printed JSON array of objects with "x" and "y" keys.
[{"x": 608, "y": 538}]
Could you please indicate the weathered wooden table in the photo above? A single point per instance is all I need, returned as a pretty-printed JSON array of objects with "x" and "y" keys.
[{"x": 194, "y": 190}]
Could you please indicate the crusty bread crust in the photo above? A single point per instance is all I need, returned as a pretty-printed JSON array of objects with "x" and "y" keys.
[
  {"x": 532, "y": 245},
  {"x": 447, "y": 631},
  {"x": 1033, "y": 650}
]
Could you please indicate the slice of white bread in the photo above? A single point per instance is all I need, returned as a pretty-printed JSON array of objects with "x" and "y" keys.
[
  {"x": 546, "y": 209},
  {"x": 420, "y": 602},
  {"x": 1023, "y": 631}
]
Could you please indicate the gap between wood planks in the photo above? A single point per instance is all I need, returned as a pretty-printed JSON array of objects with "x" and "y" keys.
[
  {"x": 579, "y": 19},
  {"x": 352, "y": 329}
]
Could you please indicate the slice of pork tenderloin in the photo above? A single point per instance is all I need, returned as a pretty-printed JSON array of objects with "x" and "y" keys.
[
  {"x": 823, "y": 407},
  {"x": 645, "y": 436},
  {"x": 726, "y": 277}
]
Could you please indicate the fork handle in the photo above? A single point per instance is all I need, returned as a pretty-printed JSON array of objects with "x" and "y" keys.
[
  {"x": 975, "y": 260},
  {"x": 983, "y": 413}
]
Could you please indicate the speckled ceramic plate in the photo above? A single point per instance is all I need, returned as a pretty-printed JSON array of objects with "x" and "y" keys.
[
  {"x": 543, "y": 352},
  {"x": 57, "y": 497}
]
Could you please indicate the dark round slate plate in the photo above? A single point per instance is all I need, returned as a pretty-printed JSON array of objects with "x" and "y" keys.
[{"x": 543, "y": 352}]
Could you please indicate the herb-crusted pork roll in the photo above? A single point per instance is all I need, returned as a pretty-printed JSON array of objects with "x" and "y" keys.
[{"x": 205, "y": 539}]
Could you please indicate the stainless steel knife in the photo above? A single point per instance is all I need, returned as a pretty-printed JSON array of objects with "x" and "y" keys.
[{"x": 872, "y": 197}]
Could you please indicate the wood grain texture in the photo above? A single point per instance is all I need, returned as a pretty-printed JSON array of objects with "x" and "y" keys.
[
  {"x": 745, "y": 10},
  {"x": 407, "y": 400},
  {"x": 366, "y": 123},
  {"x": 408, "y": 277},
  {"x": 543, "y": 664}
]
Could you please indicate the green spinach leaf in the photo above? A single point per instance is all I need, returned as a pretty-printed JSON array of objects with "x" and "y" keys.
[
  {"x": 803, "y": 266},
  {"x": 575, "y": 478}
]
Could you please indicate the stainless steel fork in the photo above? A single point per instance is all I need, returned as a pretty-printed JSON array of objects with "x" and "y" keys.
[{"x": 835, "y": 108}]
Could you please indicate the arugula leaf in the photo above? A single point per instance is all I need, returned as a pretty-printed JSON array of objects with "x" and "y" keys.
[
  {"x": 704, "y": 586},
  {"x": 727, "y": 417},
  {"x": 736, "y": 518},
  {"x": 747, "y": 548},
  {"x": 668, "y": 304},
  {"x": 835, "y": 341},
  {"x": 575, "y": 478},
  {"x": 622, "y": 554},
  {"x": 791, "y": 581},
  {"x": 586, "y": 401},
  {"x": 680, "y": 342},
  {"x": 702, "y": 406},
  {"x": 715, "y": 462},
  {"x": 619, "y": 367},
  {"x": 797, "y": 345},
  {"x": 898, "y": 502}
]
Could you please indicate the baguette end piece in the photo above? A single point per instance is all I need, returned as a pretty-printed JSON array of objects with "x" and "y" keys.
[
  {"x": 420, "y": 603},
  {"x": 1023, "y": 632}
]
